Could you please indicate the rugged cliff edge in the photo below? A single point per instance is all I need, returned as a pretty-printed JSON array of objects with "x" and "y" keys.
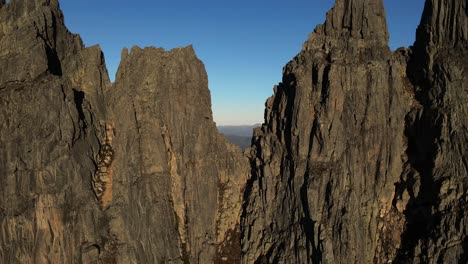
[
  {"x": 131, "y": 172},
  {"x": 177, "y": 183},
  {"x": 51, "y": 109},
  {"x": 436, "y": 175},
  {"x": 363, "y": 157}
]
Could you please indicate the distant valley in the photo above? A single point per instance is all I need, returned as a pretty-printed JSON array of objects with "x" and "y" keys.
[{"x": 238, "y": 135}]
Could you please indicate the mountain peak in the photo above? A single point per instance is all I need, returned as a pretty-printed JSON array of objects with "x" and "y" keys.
[
  {"x": 358, "y": 19},
  {"x": 444, "y": 23}
]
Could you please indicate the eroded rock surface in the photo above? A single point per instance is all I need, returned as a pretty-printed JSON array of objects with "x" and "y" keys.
[
  {"x": 175, "y": 176},
  {"x": 362, "y": 156},
  {"x": 436, "y": 177},
  {"x": 94, "y": 172},
  {"x": 51, "y": 94}
]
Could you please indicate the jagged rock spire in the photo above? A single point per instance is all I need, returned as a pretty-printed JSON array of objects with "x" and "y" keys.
[
  {"x": 353, "y": 26},
  {"x": 83, "y": 191},
  {"x": 437, "y": 138},
  {"x": 21, "y": 7},
  {"x": 444, "y": 23},
  {"x": 44, "y": 40},
  {"x": 359, "y": 19},
  {"x": 443, "y": 30}
]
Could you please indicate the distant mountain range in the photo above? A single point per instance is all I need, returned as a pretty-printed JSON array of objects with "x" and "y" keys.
[{"x": 238, "y": 135}]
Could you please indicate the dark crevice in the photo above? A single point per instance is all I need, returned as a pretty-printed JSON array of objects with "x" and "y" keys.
[
  {"x": 270, "y": 253},
  {"x": 185, "y": 254},
  {"x": 325, "y": 85},
  {"x": 315, "y": 72},
  {"x": 78, "y": 97},
  {"x": 54, "y": 30},
  {"x": 290, "y": 93},
  {"x": 306, "y": 222},
  {"x": 423, "y": 131},
  {"x": 261, "y": 260},
  {"x": 276, "y": 259},
  {"x": 418, "y": 212},
  {"x": 53, "y": 62}
]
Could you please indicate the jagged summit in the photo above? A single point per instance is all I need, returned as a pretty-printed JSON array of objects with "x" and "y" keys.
[
  {"x": 25, "y": 7},
  {"x": 35, "y": 40},
  {"x": 357, "y": 19},
  {"x": 444, "y": 23},
  {"x": 356, "y": 27},
  {"x": 362, "y": 157},
  {"x": 137, "y": 174}
]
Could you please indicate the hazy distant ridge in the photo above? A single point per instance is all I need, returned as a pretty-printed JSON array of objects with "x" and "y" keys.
[{"x": 238, "y": 135}]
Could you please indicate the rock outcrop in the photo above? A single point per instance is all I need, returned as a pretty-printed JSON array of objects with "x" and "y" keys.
[
  {"x": 436, "y": 176},
  {"x": 51, "y": 108},
  {"x": 131, "y": 172},
  {"x": 177, "y": 184},
  {"x": 362, "y": 156}
]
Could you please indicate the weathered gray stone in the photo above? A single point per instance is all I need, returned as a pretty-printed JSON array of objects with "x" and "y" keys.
[
  {"x": 362, "y": 157},
  {"x": 49, "y": 136},
  {"x": 348, "y": 165},
  {"x": 436, "y": 215},
  {"x": 134, "y": 172},
  {"x": 172, "y": 170}
]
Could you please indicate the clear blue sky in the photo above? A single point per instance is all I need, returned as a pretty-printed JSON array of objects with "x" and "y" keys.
[{"x": 244, "y": 44}]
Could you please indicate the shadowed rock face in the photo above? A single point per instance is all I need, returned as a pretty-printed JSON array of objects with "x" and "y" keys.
[
  {"x": 362, "y": 156},
  {"x": 131, "y": 172},
  {"x": 436, "y": 176},
  {"x": 332, "y": 147}
]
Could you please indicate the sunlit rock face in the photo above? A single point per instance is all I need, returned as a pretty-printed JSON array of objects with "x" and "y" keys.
[
  {"x": 52, "y": 120},
  {"x": 131, "y": 172},
  {"x": 362, "y": 156},
  {"x": 178, "y": 181}
]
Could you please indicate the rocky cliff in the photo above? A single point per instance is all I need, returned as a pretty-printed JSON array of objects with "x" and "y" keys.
[
  {"x": 177, "y": 184},
  {"x": 51, "y": 113},
  {"x": 131, "y": 172},
  {"x": 435, "y": 181},
  {"x": 362, "y": 157}
]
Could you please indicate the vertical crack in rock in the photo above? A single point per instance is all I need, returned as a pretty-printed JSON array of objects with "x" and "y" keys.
[
  {"x": 48, "y": 137},
  {"x": 437, "y": 177},
  {"x": 177, "y": 193},
  {"x": 53, "y": 62},
  {"x": 78, "y": 97},
  {"x": 362, "y": 157},
  {"x": 170, "y": 164}
]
